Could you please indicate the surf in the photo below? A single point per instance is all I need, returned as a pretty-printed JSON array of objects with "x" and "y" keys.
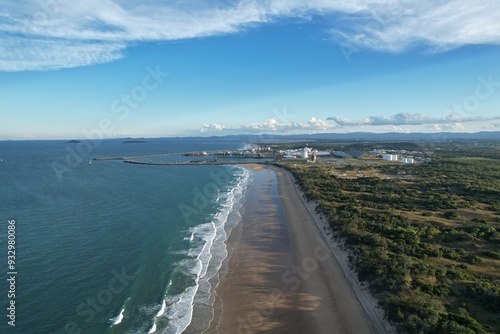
[{"x": 208, "y": 257}]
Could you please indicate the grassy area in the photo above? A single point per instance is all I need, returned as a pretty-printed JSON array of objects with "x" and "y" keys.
[{"x": 426, "y": 237}]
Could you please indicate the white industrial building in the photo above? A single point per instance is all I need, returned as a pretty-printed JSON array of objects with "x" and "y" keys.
[
  {"x": 323, "y": 153},
  {"x": 390, "y": 157},
  {"x": 297, "y": 153},
  {"x": 408, "y": 160}
]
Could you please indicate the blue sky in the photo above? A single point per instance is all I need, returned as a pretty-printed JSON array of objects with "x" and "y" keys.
[{"x": 177, "y": 68}]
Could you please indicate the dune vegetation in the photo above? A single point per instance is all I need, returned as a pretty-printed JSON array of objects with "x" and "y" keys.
[{"x": 424, "y": 237}]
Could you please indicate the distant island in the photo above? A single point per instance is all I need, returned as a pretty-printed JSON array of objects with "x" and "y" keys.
[
  {"x": 73, "y": 142},
  {"x": 134, "y": 142}
]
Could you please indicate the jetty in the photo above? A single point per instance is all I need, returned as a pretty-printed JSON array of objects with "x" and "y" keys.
[
  {"x": 185, "y": 163},
  {"x": 219, "y": 158}
]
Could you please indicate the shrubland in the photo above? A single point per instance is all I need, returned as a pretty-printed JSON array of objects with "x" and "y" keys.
[{"x": 424, "y": 237}]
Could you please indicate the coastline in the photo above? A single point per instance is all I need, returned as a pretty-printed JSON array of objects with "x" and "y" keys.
[
  {"x": 281, "y": 276},
  {"x": 341, "y": 259}
]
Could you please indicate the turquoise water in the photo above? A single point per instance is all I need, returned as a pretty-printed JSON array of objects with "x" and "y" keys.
[{"x": 108, "y": 247}]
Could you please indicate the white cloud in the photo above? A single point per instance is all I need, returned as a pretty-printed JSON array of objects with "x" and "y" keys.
[
  {"x": 492, "y": 126},
  {"x": 51, "y": 34},
  {"x": 454, "y": 127},
  {"x": 51, "y": 54},
  {"x": 26, "y": 137},
  {"x": 407, "y": 119},
  {"x": 270, "y": 126},
  {"x": 211, "y": 128},
  {"x": 398, "y": 25},
  {"x": 402, "y": 122}
]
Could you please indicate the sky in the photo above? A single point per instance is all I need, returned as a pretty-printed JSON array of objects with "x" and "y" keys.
[{"x": 158, "y": 68}]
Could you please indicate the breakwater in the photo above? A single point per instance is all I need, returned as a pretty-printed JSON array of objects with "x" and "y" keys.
[{"x": 207, "y": 158}]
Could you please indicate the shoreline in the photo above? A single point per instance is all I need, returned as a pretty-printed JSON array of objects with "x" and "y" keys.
[
  {"x": 212, "y": 256},
  {"x": 280, "y": 275},
  {"x": 246, "y": 296},
  {"x": 341, "y": 258}
]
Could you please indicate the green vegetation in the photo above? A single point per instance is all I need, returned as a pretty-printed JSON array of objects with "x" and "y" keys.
[{"x": 426, "y": 237}]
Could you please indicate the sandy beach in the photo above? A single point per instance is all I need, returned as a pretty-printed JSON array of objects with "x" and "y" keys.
[{"x": 282, "y": 277}]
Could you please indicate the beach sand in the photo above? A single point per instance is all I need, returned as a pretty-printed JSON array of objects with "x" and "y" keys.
[{"x": 281, "y": 275}]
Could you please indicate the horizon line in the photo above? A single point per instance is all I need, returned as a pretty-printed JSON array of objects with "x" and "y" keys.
[{"x": 264, "y": 135}]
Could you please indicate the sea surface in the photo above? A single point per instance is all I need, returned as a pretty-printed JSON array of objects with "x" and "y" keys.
[{"x": 108, "y": 247}]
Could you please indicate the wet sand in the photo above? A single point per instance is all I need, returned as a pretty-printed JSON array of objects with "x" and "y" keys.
[{"x": 281, "y": 276}]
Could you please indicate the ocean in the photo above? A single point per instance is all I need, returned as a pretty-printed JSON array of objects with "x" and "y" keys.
[{"x": 109, "y": 247}]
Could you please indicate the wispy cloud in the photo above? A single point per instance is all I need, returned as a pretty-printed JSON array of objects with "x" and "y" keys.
[
  {"x": 49, "y": 54},
  {"x": 26, "y": 137},
  {"x": 314, "y": 125},
  {"x": 43, "y": 35},
  {"x": 493, "y": 126},
  {"x": 453, "y": 127},
  {"x": 395, "y": 26},
  {"x": 407, "y": 119}
]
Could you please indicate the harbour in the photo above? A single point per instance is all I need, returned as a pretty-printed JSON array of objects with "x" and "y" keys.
[{"x": 232, "y": 157}]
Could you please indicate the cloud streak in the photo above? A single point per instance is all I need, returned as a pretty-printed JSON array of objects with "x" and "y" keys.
[
  {"x": 52, "y": 34},
  {"x": 396, "y": 26},
  {"x": 407, "y": 119},
  {"x": 402, "y": 122}
]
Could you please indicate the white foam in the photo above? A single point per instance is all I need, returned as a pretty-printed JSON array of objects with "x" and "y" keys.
[
  {"x": 180, "y": 252},
  {"x": 207, "y": 258},
  {"x": 153, "y": 329},
  {"x": 119, "y": 318},
  {"x": 162, "y": 310}
]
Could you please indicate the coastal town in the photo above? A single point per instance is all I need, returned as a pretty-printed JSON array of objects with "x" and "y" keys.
[{"x": 275, "y": 153}]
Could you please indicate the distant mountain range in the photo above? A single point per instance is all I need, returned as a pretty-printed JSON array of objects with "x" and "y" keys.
[
  {"x": 492, "y": 136},
  {"x": 367, "y": 136}
]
